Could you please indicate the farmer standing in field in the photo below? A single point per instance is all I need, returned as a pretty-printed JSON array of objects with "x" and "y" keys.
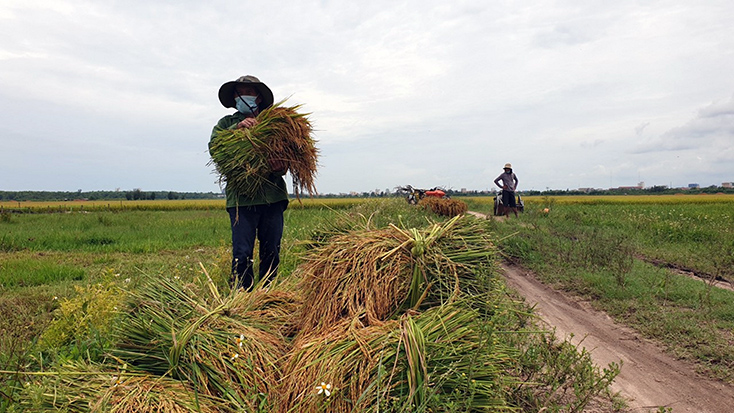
[
  {"x": 509, "y": 185},
  {"x": 260, "y": 216}
]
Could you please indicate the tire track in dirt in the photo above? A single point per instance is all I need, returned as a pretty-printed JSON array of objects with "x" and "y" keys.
[{"x": 687, "y": 272}]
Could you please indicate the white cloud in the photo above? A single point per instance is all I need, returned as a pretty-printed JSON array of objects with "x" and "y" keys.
[
  {"x": 710, "y": 131},
  {"x": 578, "y": 93}
]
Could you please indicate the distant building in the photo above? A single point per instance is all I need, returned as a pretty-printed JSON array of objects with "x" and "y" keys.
[
  {"x": 693, "y": 186},
  {"x": 727, "y": 184},
  {"x": 640, "y": 185}
]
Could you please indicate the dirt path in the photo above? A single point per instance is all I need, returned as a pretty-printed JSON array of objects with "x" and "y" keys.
[{"x": 649, "y": 377}]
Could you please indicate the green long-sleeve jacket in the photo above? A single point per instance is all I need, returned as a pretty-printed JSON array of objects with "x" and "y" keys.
[{"x": 271, "y": 194}]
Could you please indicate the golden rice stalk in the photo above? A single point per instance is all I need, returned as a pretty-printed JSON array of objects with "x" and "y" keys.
[
  {"x": 241, "y": 156},
  {"x": 372, "y": 275},
  {"x": 351, "y": 276},
  {"x": 273, "y": 308}
]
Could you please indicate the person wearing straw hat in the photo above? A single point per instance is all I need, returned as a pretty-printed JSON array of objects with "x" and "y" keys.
[
  {"x": 259, "y": 217},
  {"x": 508, "y": 185}
]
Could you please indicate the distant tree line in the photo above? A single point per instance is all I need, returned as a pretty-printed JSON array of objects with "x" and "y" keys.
[
  {"x": 653, "y": 190},
  {"x": 135, "y": 194},
  {"x": 139, "y": 194}
]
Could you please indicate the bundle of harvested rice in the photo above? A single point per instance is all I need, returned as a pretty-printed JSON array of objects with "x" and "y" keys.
[
  {"x": 421, "y": 362},
  {"x": 90, "y": 387},
  {"x": 273, "y": 308},
  {"x": 241, "y": 156},
  {"x": 444, "y": 206},
  {"x": 223, "y": 353},
  {"x": 341, "y": 357},
  {"x": 372, "y": 275},
  {"x": 352, "y": 276}
]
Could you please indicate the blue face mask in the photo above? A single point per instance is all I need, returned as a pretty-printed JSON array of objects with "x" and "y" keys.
[{"x": 246, "y": 105}]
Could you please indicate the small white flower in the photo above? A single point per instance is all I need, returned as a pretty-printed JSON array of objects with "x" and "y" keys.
[
  {"x": 234, "y": 357},
  {"x": 127, "y": 280},
  {"x": 324, "y": 388},
  {"x": 240, "y": 340},
  {"x": 56, "y": 297}
]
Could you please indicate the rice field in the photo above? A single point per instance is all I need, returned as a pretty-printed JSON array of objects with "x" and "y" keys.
[
  {"x": 161, "y": 205},
  {"x": 381, "y": 306},
  {"x": 124, "y": 306}
]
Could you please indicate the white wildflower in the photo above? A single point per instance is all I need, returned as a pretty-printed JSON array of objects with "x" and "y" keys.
[{"x": 324, "y": 388}]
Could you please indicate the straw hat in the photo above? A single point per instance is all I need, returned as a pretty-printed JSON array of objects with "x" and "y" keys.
[
  {"x": 226, "y": 92},
  {"x": 508, "y": 166}
]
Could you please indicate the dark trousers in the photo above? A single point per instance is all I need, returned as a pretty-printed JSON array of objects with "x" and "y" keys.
[
  {"x": 508, "y": 198},
  {"x": 248, "y": 222}
]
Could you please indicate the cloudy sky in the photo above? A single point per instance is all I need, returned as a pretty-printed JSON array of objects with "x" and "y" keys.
[{"x": 99, "y": 95}]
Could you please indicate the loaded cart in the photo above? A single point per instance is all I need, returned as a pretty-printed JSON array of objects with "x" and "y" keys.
[
  {"x": 499, "y": 208},
  {"x": 413, "y": 195}
]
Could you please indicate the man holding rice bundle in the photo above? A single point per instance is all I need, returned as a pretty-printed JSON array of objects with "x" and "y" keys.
[{"x": 253, "y": 214}]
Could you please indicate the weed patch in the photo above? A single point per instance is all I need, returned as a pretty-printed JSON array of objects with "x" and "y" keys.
[{"x": 83, "y": 322}]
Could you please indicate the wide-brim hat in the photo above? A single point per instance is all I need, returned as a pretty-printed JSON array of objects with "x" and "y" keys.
[
  {"x": 508, "y": 166},
  {"x": 226, "y": 91}
]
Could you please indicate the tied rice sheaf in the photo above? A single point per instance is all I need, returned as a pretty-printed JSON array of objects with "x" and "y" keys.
[{"x": 241, "y": 156}]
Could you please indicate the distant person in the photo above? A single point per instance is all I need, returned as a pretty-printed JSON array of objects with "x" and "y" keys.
[
  {"x": 258, "y": 217},
  {"x": 508, "y": 185}
]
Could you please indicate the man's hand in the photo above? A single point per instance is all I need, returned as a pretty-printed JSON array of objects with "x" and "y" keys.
[{"x": 247, "y": 123}]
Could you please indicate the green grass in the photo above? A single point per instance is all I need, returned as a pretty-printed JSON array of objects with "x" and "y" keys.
[
  {"x": 602, "y": 252},
  {"x": 26, "y": 273},
  {"x": 698, "y": 236},
  {"x": 99, "y": 232}
]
